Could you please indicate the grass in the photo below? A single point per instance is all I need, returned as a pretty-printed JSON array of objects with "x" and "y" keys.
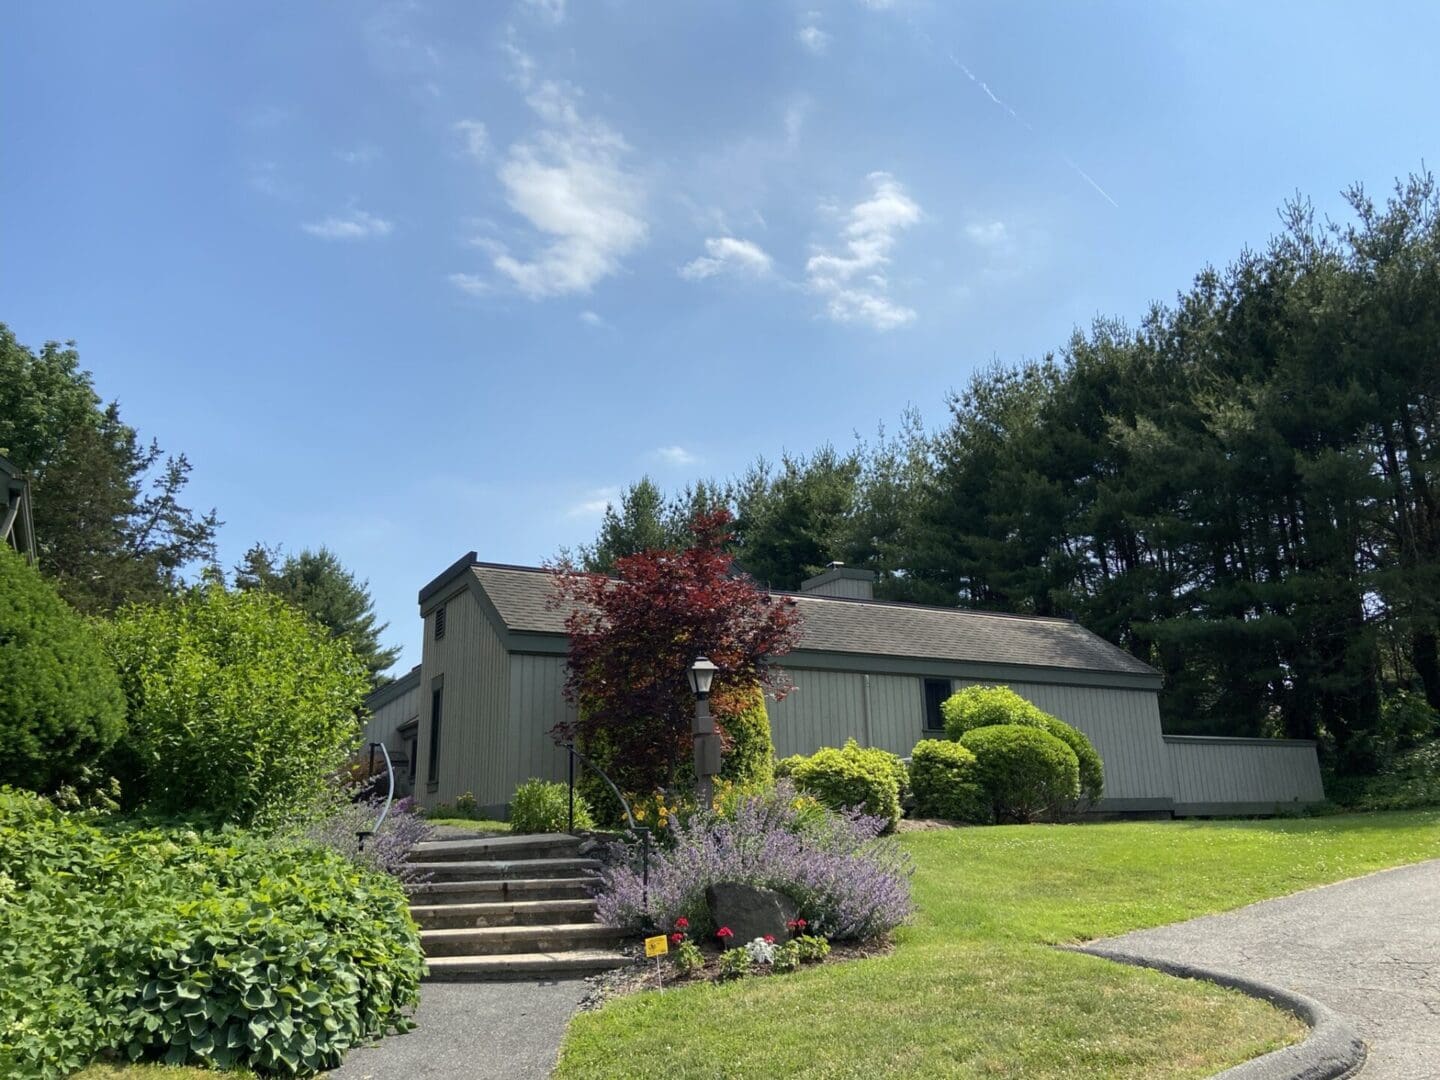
[
  {"x": 974, "y": 989},
  {"x": 104, "y": 1071},
  {"x": 476, "y": 824}
]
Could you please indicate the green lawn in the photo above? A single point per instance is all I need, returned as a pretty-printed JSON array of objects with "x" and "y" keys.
[
  {"x": 157, "y": 1072},
  {"x": 475, "y": 824},
  {"x": 973, "y": 988}
]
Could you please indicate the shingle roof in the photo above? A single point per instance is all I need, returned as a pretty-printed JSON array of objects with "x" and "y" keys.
[{"x": 869, "y": 627}]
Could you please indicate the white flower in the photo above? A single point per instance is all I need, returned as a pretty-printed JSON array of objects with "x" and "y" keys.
[{"x": 761, "y": 951}]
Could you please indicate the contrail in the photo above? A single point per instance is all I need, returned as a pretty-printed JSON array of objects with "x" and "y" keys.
[{"x": 985, "y": 87}]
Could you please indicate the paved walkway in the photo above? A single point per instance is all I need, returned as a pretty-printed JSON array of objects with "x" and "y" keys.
[
  {"x": 474, "y": 1031},
  {"x": 1368, "y": 948}
]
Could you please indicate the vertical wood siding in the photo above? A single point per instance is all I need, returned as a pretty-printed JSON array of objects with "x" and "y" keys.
[
  {"x": 1251, "y": 772},
  {"x": 474, "y": 729},
  {"x": 389, "y": 716},
  {"x": 537, "y": 704}
]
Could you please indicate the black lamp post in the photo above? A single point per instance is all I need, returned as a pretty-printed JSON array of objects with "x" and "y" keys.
[{"x": 707, "y": 742}]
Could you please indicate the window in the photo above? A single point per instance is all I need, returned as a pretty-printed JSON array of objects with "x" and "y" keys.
[
  {"x": 936, "y": 691},
  {"x": 432, "y": 770},
  {"x": 440, "y": 622}
]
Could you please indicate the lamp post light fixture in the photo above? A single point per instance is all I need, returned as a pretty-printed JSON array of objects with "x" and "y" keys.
[{"x": 707, "y": 740}]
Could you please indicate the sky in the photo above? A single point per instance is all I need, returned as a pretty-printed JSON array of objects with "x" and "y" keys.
[{"x": 413, "y": 278}]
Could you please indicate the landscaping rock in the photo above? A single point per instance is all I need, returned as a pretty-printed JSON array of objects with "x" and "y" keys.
[{"x": 750, "y": 912}]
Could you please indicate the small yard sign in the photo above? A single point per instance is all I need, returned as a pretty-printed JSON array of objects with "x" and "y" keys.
[{"x": 656, "y": 946}]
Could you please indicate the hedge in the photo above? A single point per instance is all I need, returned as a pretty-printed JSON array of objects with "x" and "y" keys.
[
  {"x": 543, "y": 806},
  {"x": 851, "y": 776},
  {"x": 986, "y": 706},
  {"x": 60, "y": 704},
  {"x": 221, "y": 949},
  {"x": 1027, "y": 773},
  {"x": 741, "y": 715},
  {"x": 944, "y": 778}
]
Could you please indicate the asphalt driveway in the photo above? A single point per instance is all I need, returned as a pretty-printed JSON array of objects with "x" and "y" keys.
[
  {"x": 1368, "y": 948},
  {"x": 474, "y": 1031}
]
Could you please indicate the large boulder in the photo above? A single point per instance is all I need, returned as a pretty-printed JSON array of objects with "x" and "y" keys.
[{"x": 750, "y": 912}]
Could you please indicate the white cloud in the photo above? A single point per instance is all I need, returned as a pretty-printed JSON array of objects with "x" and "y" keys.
[
  {"x": 551, "y": 10},
  {"x": 352, "y": 225},
  {"x": 265, "y": 177},
  {"x": 987, "y": 233},
  {"x": 475, "y": 137},
  {"x": 595, "y": 503},
  {"x": 853, "y": 280},
  {"x": 811, "y": 36},
  {"x": 470, "y": 284},
  {"x": 726, "y": 253},
  {"x": 675, "y": 456},
  {"x": 363, "y": 154},
  {"x": 570, "y": 182},
  {"x": 591, "y": 318}
]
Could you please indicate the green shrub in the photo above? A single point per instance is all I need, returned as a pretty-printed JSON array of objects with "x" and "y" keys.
[
  {"x": 688, "y": 958},
  {"x": 240, "y": 706},
  {"x": 543, "y": 806},
  {"x": 1027, "y": 773},
  {"x": 222, "y": 949},
  {"x": 813, "y": 948},
  {"x": 988, "y": 706},
  {"x": 852, "y": 776},
  {"x": 740, "y": 713},
  {"x": 60, "y": 704},
  {"x": 1410, "y": 782},
  {"x": 734, "y": 964},
  {"x": 943, "y": 776}
]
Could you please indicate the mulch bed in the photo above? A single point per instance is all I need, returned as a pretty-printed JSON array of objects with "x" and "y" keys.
[{"x": 640, "y": 977}]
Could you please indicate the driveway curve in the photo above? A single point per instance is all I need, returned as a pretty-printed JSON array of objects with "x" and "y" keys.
[{"x": 1368, "y": 948}]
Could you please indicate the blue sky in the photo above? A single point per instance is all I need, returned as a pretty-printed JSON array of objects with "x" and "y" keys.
[{"x": 413, "y": 278}]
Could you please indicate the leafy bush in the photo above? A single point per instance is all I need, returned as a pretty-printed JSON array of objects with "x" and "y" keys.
[
  {"x": 388, "y": 850},
  {"x": 60, "y": 704},
  {"x": 740, "y": 714},
  {"x": 845, "y": 882},
  {"x": 1026, "y": 773},
  {"x": 735, "y": 963},
  {"x": 988, "y": 706},
  {"x": 240, "y": 707},
  {"x": 221, "y": 949},
  {"x": 943, "y": 775},
  {"x": 1410, "y": 782},
  {"x": 813, "y": 948},
  {"x": 688, "y": 958},
  {"x": 787, "y": 958},
  {"x": 865, "y": 778},
  {"x": 543, "y": 806}
]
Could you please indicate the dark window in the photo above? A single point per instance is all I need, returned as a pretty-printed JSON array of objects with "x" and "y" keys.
[
  {"x": 412, "y": 751},
  {"x": 936, "y": 691},
  {"x": 432, "y": 771},
  {"x": 439, "y": 622}
]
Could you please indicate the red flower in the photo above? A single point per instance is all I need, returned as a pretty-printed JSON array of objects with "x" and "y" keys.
[
  {"x": 682, "y": 923},
  {"x": 770, "y": 939},
  {"x": 676, "y": 938},
  {"x": 724, "y": 932},
  {"x": 796, "y": 924}
]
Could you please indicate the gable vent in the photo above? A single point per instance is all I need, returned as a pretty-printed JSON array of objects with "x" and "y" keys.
[{"x": 440, "y": 622}]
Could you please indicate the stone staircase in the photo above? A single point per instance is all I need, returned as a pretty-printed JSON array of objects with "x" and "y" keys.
[{"x": 511, "y": 907}]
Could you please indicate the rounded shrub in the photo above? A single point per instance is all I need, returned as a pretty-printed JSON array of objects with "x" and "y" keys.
[
  {"x": 741, "y": 715},
  {"x": 1027, "y": 773},
  {"x": 944, "y": 778},
  {"x": 218, "y": 949},
  {"x": 543, "y": 806},
  {"x": 988, "y": 706},
  {"x": 852, "y": 776},
  {"x": 241, "y": 707},
  {"x": 60, "y": 703}
]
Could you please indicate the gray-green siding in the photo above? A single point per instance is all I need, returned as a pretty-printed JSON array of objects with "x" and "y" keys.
[
  {"x": 387, "y": 717},
  {"x": 1218, "y": 776}
]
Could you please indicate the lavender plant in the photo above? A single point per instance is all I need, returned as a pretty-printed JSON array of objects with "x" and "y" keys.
[
  {"x": 387, "y": 850},
  {"x": 848, "y": 882}
]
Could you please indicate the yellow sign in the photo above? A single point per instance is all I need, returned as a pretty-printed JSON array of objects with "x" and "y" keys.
[{"x": 656, "y": 946}]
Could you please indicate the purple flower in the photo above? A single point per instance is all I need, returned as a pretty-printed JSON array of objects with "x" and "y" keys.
[
  {"x": 385, "y": 851},
  {"x": 847, "y": 880}
]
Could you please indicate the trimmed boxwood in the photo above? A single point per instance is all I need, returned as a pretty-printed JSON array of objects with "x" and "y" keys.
[
  {"x": 224, "y": 949},
  {"x": 1027, "y": 773},
  {"x": 851, "y": 776},
  {"x": 944, "y": 778},
  {"x": 61, "y": 706},
  {"x": 986, "y": 706}
]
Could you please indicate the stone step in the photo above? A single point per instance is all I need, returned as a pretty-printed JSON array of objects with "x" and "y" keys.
[
  {"x": 505, "y": 846},
  {"x": 491, "y": 940},
  {"x": 572, "y": 965},
  {"x": 433, "y": 893},
  {"x": 445, "y": 916},
  {"x": 500, "y": 869}
]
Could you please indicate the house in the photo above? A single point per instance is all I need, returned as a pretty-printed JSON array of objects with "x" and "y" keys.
[
  {"x": 16, "y": 527},
  {"x": 490, "y": 685}
]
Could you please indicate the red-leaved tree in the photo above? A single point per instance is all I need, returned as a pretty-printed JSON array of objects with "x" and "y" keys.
[{"x": 633, "y": 638}]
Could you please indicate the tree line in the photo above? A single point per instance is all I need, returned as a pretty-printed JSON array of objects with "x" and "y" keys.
[
  {"x": 112, "y": 523},
  {"x": 1240, "y": 490}
]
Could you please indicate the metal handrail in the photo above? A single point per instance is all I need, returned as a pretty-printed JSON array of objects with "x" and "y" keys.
[
  {"x": 364, "y": 835},
  {"x": 643, "y": 831}
]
